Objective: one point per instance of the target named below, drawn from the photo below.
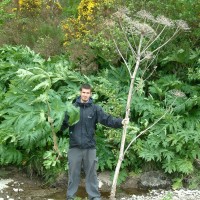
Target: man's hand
(125, 121)
(50, 120)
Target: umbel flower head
(177, 93)
(121, 13)
(109, 23)
(141, 28)
(181, 24)
(164, 21)
(145, 15)
(134, 26)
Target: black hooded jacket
(82, 133)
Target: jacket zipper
(82, 125)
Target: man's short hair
(86, 86)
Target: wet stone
(154, 180)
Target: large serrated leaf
(45, 84)
(73, 113)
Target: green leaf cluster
(30, 94)
(4, 15)
(174, 141)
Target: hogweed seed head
(177, 93)
(135, 26)
(145, 15)
(121, 13)
(109, 23)
(141, 28)
(124, 10)
(118, 15)
(181, 24)
(164, 21)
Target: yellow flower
(77, 28)
(58, 5)
(14, 9)
(30, 4)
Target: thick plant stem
(120, 159)
(128, 105)
(55, 142)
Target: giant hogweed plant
(145, 35)
(32, 109)
(151, 101)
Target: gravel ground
(168, 195)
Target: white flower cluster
(134, 26)
(177, 93)
(181, 24)
(145, 15)
(164, 21)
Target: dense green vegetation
(40, 75)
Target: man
(82, 152)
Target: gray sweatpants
(86, 158)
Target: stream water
(14, 184)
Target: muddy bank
(15, 184)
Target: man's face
(85, 95)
